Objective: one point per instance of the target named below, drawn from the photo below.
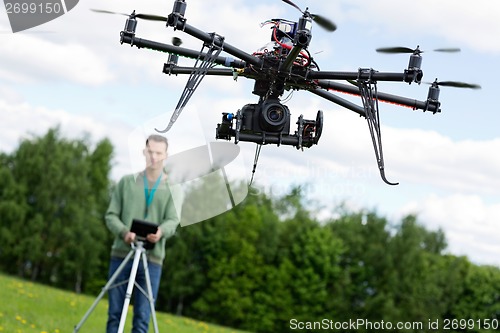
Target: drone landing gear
(369, 96)
(196, 77)
(256, 159)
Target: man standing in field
(146, 196)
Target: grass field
(28, 307)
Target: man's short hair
(157, 138)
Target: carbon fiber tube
(409, 102)
(156, 46)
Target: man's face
(156, 153)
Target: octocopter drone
(283, 64)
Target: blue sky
(73, 72)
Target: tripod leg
(130, 288)
(150, 291)
(104, 290)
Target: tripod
(138, 251)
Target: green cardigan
(128, 202)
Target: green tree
(259, 269)
(61, 237)
(307, 262)
(13, 210)
(479, 299)
(364, 289)
(418, 289)
(234, 263)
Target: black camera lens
(275, 114)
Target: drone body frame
(285, 65)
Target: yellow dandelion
(18, 318)
(24, 321)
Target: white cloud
(470, 224)
(467, 165)
(81, 47)
(26, 58)
(22, 121)
(10, 95)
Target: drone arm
(209, 38)
(301, 42)
(340, 101)
(140, 42)
(408, 102)
(363, 75)
(188, 70)
(292, 55)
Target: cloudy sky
(73, 72)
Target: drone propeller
(102, 11)
(320, 20)
(400, 49)
(149, 17)
(152, 17)
(455, 84)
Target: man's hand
(129, 237)
(153, 238)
